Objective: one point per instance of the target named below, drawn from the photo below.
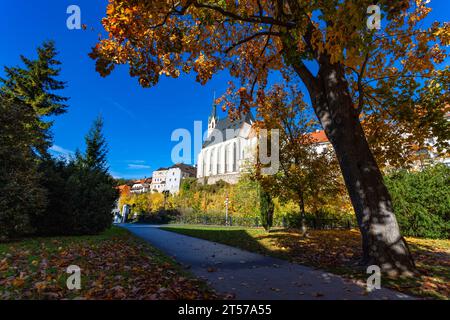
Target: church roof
(224, 124)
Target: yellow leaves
(205, 67)
(443, 33)
(18, 282)
(110, 9)
(40, 286)
(317, 41)
(4, 265)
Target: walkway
(248, 275)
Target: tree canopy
(393, 74)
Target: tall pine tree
(34, 85)
(26, 97)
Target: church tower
(212, 119)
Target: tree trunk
(302, 214)
(382, 242)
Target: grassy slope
(337, 251)
(114, 265)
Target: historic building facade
(176, 174)
(159, 180)
(169, 179)
(141, 186)
(228, 149)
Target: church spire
(214, 109)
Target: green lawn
(337, 251)
(114, 265)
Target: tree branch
(252, 19)
(249, 38)
(360, 86)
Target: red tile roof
(124, 189)
(318, 136)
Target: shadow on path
(249, 275)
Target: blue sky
(138, 122)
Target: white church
(228, 149)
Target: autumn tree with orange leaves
(307, 174)
(390, 78)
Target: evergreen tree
(26, 97)
(81, 193)
(91, 186)
(267, 209)
(20, 193)
(33, 85)
(96, 147)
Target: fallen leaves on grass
(119, 267)
(340, 251)
(337, 251)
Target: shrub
(92, 200)
(20, 199)
(421, 201)
(80, 192)
(267, 208)
(79, 199)
(323, 219)
(57, 217)
(160, 217)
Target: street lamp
(226, 210)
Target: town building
(159, 180)
(320, 141)
(141, 186)
(169, 179)
(176, 174)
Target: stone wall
(231, 178)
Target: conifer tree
(96, 147)
(34, 85)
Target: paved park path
(248, 275)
